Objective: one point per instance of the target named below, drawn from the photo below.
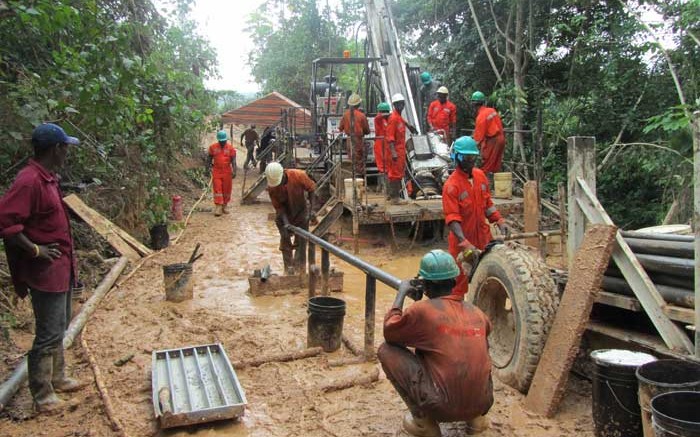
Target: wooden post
(531, 205)
(370, 303)
(325, 271)
(580, 163)
(562, 218)
(312, 268)
(696, 224)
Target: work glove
(503, 228)
(466, 245)
(468, 258)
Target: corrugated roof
(267, 111)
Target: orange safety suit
(356, 132)
(489, 135)
(380, 149)
(469, 203)
(443, 116)
(289, 198)
(222, 171)
(396, 133)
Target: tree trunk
(519, 82)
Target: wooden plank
(77, 205)
(581, 163)
(570, 323)
(102, 226)
(619, 301)
(531, 215)
(634, 273)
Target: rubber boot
(224, 209)
(62, 383)
(40, 370)
(218, 210)
(288, 261)
(478, 425)
(421, 426)
(396, 193)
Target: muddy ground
(283, 398)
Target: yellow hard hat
(354, 100)
(443, 90)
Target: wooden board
(102, 226)
(571, 320)
(531, 205)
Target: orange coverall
(289, 198)
(396, 132)
(359, 129)
(443, 116)
(380, 151)
(470, 204)
(222, 172)
(488, 133)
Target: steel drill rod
(663, 237)
(666, 264)
(381, 275)
(672, 295)
(677, 249)
(657, 278)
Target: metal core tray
(195, 384)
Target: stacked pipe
(669, 262)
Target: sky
(223, 22)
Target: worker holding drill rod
(287, 190)
(467, 205)
(448, 377)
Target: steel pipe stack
(668, 260)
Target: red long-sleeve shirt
(33, 205)
(450, 338)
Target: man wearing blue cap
(36, 229)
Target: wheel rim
(492, 298)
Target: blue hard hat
(464, 146)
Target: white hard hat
(442, 90)
(354, 100)
(398, 97)
(274, 173)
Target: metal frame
(583, 207)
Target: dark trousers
(251, 155)
(298, 260)
(52, 313)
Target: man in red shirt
(395, 137)
(442, 115)
(448, 378)
(380, 152)
(467, 204)
(36, 229)
(222, 160)
(488, 134)
(288, 189)
(354, 124)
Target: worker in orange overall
(354, 124)
(488, 134)
(287, 190)
(380, 152)
(395, 137)
(222, 161)
(442, 115)
(467, 205)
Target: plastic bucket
(177, 279)
(676, 414)
(503, 185)
(664, 376)
(359, 186)
(325, 326)
(615, 403)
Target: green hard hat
(383, 107)
(478, 96)
(465, 146)
(221, 136)
(425, 78)
(438, 265)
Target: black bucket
(664, 376)
(615, 404)
(177, 281)
(160, 239)
(325, 327)
(676, 414)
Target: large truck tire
(515, 289)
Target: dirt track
(283, 398)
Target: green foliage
(228, 99)
(157, 205)
(124, 79)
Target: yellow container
(359, 186)
(503, 185)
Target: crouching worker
(448, 378)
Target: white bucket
(359, 186)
